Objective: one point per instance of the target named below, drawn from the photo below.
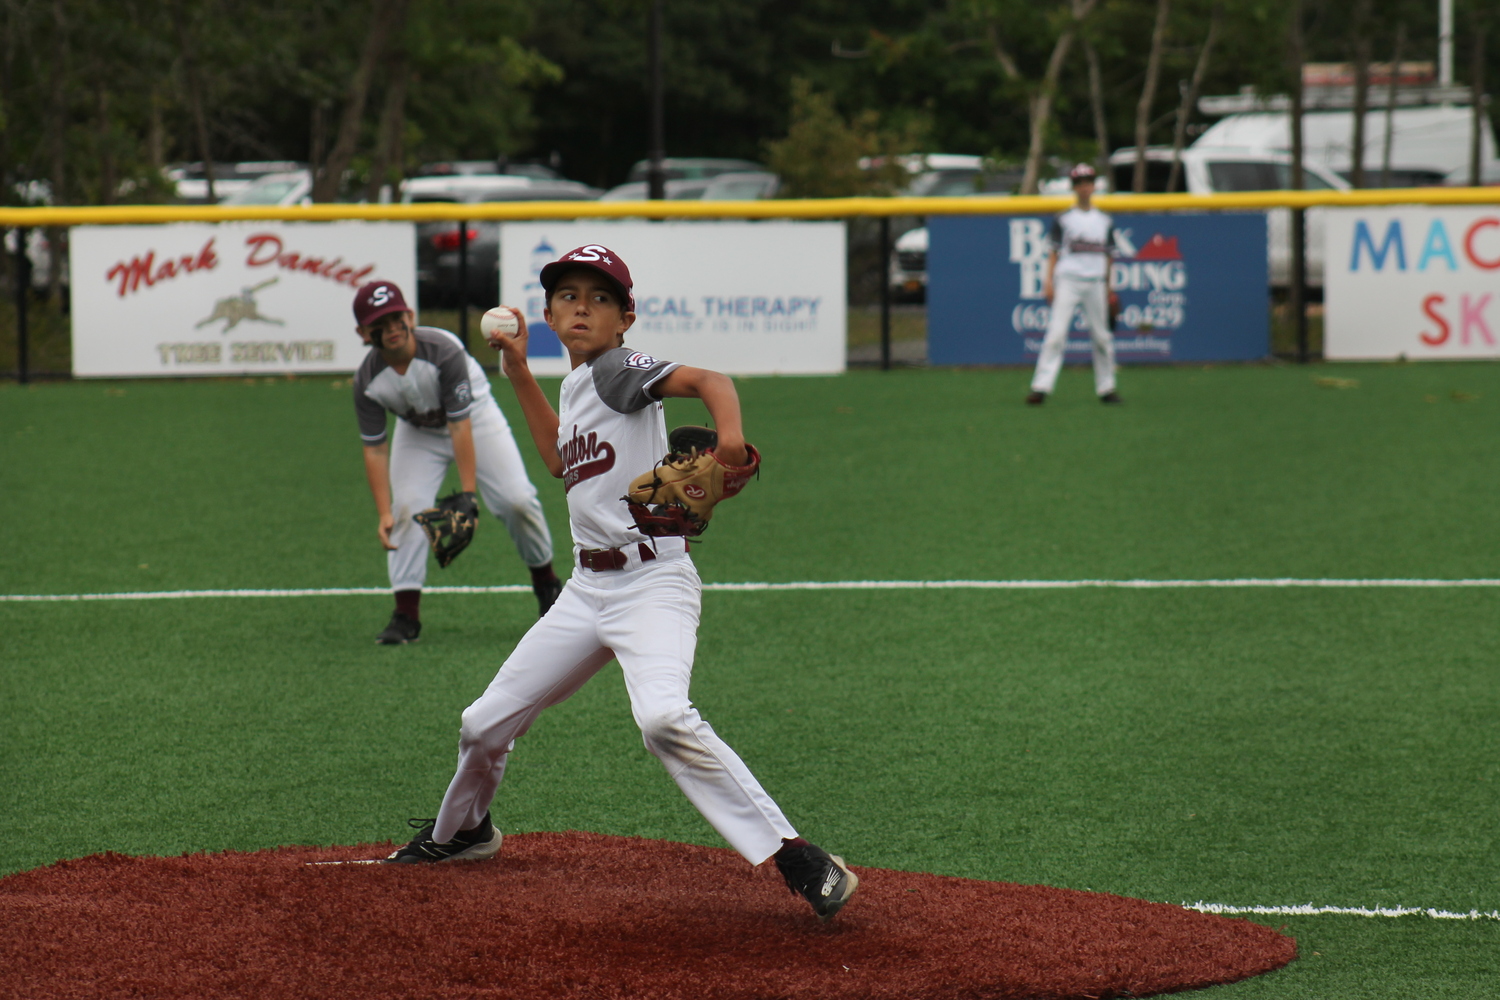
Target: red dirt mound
(565, 915)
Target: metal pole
(1298, 291)
(656, 176)
(463, 283)
(23, 281)
(1299, 280)
(1445, 43)
(885, 293)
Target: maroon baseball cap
(597, 258)
(1082, 172)
(377, 299)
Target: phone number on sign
(1035, 317)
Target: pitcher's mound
(580, 915)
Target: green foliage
(95, 96)
(821, 155)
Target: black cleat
(1035, 398)
(400, 631)
(817, 876)
(478, 844)
(1111, 398)
(546, 595)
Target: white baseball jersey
(442, 383)
(643, 613)
(1084, 241)
(611, 428)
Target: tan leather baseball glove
(679, 495)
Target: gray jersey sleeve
(623, 378)
(371, 414)
(453, 375)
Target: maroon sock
(542, 574)
(407, 602)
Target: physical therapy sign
(744, 298)
(228, 299)
(1412, 282)
(1191, 288)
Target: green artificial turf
(1245, 746)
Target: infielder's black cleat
(1111, 398)
(547, 594)
(817, 876)
(1034, 398)
(478, 844)
(401, 630)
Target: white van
(1211, 170)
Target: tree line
(98, 96)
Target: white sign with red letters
(228, 299)
(1412, 282)
(744, 298)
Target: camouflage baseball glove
(450, 525)
(678, 496)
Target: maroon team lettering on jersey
(585, 457)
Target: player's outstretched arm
(541, 418)
(723, 402)
(461, 433)
(378, 472)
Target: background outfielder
(446, 415)
(1078, 278)
(633, 597)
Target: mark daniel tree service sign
(228, 299)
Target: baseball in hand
(501, 319)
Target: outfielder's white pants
(646, 616)
(1068, 295)
(419, 461)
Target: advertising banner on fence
(1191, 287)
(744, 298)
(230, 298)
(1412, 282)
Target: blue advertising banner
(1191, 287)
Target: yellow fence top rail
(810, 208)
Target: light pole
(656, 177)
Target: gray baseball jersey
(442, 383)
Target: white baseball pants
(646, 616)
(1068, 295)
(419, 461)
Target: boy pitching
(631, 597)
(1078, 276)
(446, 416)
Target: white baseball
(498, 320)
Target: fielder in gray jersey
(1078, 279)
(445, 416)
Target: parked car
(938, 175)
(294, 187)
(1214, 169)
(438, 284)
(678, 168)
(681, 190)
(467, 168)
(191, 180)
(743, 186)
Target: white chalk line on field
(165, 595)
(1311, 910)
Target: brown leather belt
(602, 560)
